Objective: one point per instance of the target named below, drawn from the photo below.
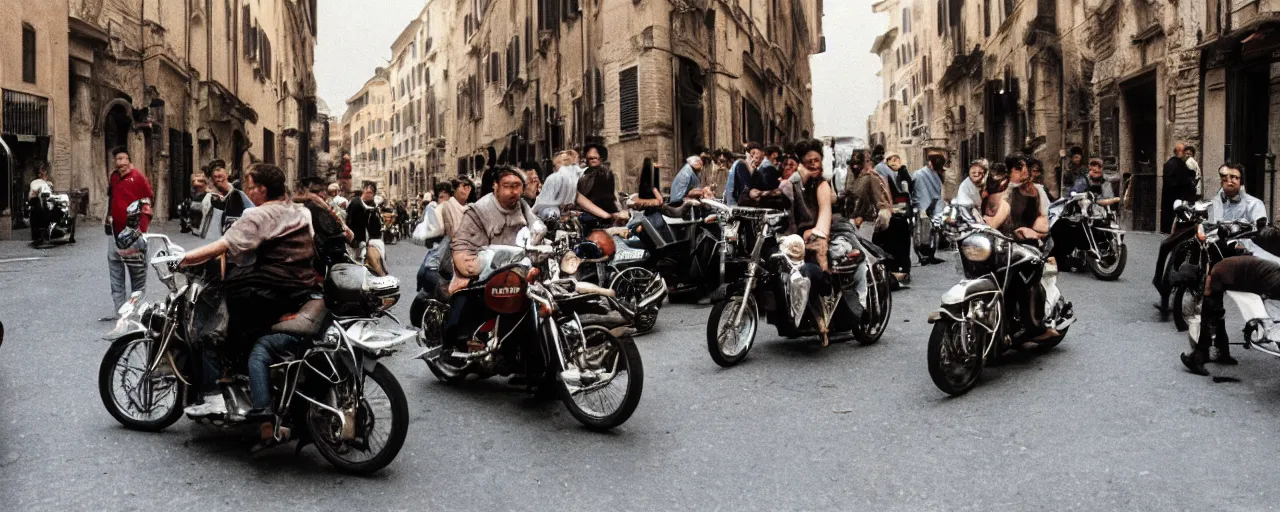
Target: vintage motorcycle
(1261, 314)
(638, 290)
(333, 391)
(1085, 232)
(976, 322)
(771, 284)
(561, 335)
(1187, 218)
(690, 253)
(1196, 257)
(60, 221)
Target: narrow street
(1107, 421)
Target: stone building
(368, 123)
(419, 83)
(34, 121)
(183, 83)
(661, 79)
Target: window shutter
(629, 100)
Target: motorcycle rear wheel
(947, 336)
(398, 407)
(592, 407)
(1186, 303)
(721, 319)
(1109, 272)
(879, 307)
(112, 367)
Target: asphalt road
(1107, 421)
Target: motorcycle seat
(306, 323)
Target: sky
(356, 36)
(845, 85)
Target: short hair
(1077, 150)
(1014, 161)
(1236, 166)
(805, 146)
(506, 170)
(116, 151)
(937, 160)
(752, 146)
(769, 150)
(1190, 149)
(1095, 161)
(998, 169)
(530, 165)
(462, 181)
(369, 185)
(978, 163)
(217, 164)
(891, 156)
(1034, 162)
(443, 188)
(268, 176)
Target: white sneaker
(213, 404)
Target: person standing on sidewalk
(127, 185)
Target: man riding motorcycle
(496, 219)
(1024, 220)
(270, 274)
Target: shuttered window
(629, 100)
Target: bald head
(1180, 149)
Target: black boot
(1223, 346)
(1195, 362)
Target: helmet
(602, 239)
(131, 244)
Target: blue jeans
(269, 348)
(117, 265)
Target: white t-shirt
(39, 186)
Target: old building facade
(510, 81)
(34, 121)
(179, 84)
(367, 123)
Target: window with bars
(28, 54)
(25, 114)
(629, 100)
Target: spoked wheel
(429, 316)
(728, 342)
(603, 385)
(1186, 304)
(955, 356)
(631, 286)
(139, 398)
(1111, 264)
(372, 428)
(879, 307)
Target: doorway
(690, 86)
(1249, 127)
(1140, 109)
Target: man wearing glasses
(1232, 203)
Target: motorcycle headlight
(976, 248)
(730, 232)
(569, 263)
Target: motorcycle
(1085, 231)
(1212, 243)
(638, 290)
(690, 253)
(1261, 314)
(773, 285)
(975, 324)
(333, 390)
(59, 221)
(1186, 222)
(560, 334)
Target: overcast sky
(356, 37)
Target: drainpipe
(713, 88)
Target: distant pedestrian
(127, 185)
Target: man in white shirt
(40, 185)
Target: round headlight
(976, 248)
(569, 263)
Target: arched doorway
(115, 133)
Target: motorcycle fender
(953, 300)
(1251, 305)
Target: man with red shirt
(127, 185)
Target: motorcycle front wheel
(1110, 266)
(879, 307)
(955, 356)
(609, 380)
(139, 399)
(727, 343)
(382, 423)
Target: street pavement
(1107, 421)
